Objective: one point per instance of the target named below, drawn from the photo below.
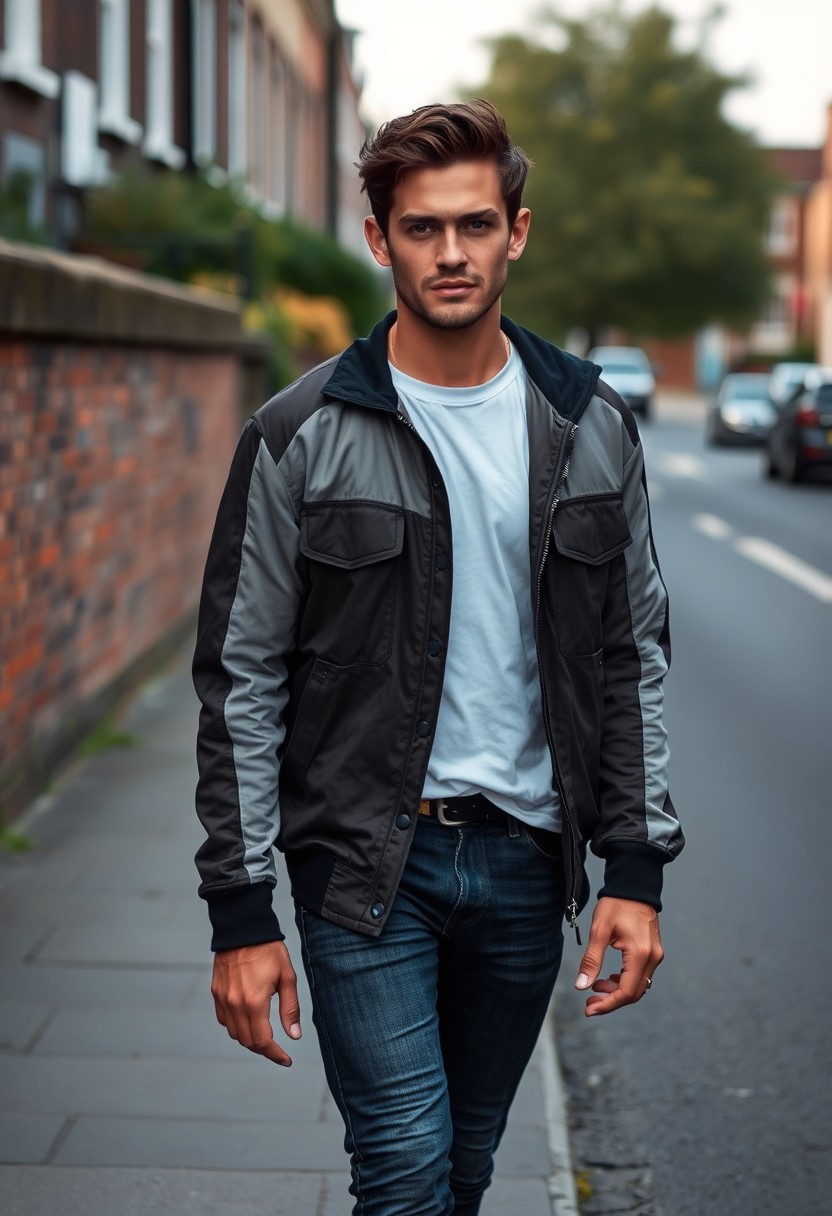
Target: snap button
(441, 561)
(422, 730)
(434, 648)
(403, 822)
(376, 911)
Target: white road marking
(768, 555)
(713, 526)
(682, 464)
(773, 558)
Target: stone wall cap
(48, 291)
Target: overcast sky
(415, 51)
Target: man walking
(432, 641)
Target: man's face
(448, 242)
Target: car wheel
(795, 469)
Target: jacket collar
(362, 375)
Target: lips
(455, 287)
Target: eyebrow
(486, 213)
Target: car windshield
(749, 388)
(620, 358)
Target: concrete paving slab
(128, 1032)
(520, 1196)
(203, 1144)
(17, 942)
(20, 1021)
(77, 1191)
(523, 1151)
(96, 985)
(184, 1089)
(150, 945)
(27, 1138)
(84, 908)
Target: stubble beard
(452, 314)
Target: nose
(450, 254)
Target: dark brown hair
(435, 136)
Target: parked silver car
(628, 370)
(742, 412)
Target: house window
(114, 71)
(278, 141)
(782, 230)
(259, 108)
(20, 60)
(158, 143)
(205, 81)
(237, 125)
(24, 172)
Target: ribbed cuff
(634, 870)
(242, 916)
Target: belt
(456, 812)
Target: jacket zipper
(572, 904)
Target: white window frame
(782, 227)
(204, 101)
(237, 92)
(278, 111)
(114, 71)
(20, 60)
(158, 141)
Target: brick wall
(112, 458)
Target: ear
(519, 234)
(376, 240)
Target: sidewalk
(119, 1092)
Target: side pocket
(301, 743)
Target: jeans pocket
(547, 844)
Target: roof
(802, 166)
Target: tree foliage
(649, 207)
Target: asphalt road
(713, 1097)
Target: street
(711, 1098)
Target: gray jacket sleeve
(247, 622)
(639, 829)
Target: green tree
(649, 207)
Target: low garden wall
(121, 398)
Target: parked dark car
(784, 378)
(801, 437)
(742, 412)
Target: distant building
(788, 318)
(819, 252)
(261, 92)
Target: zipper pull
(573, 921)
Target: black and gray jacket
(322, 633)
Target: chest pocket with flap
(588, 534)
(351, 551)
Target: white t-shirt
(490, 737)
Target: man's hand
(632, 928)
(243, 984)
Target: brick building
(259, 90)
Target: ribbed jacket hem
(243, 916)
(634, 870)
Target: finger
(628, 989)
(259, 1038)
(593, 958)
(608, 985)
(288, 1004)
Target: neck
(454, 358)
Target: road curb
(561, 1181)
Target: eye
(419, 229)
(479, 225)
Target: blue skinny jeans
(426, 1030)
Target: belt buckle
(441, 816)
